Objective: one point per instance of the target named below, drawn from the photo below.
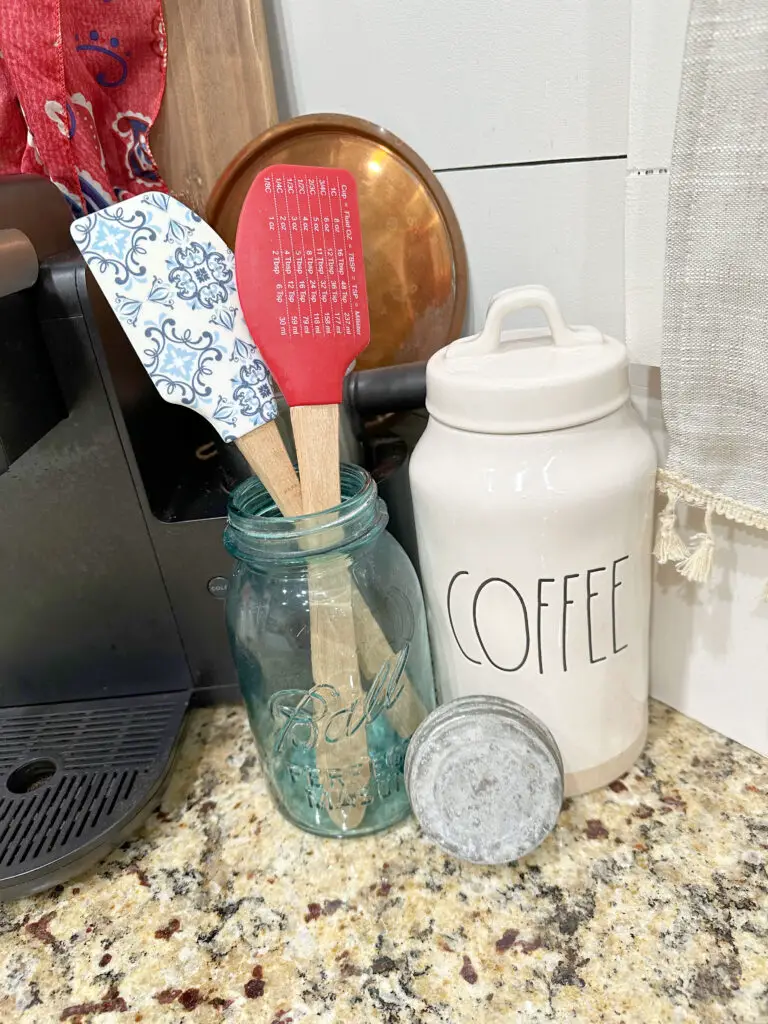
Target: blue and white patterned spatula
(171, 281)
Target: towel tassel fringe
(697, 566)
(669, 546)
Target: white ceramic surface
(517, 382)
(535, 558)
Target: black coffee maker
(112, 569)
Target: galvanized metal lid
(485, 779)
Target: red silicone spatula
(301, 281)
(300, 230)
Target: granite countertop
(649, 903)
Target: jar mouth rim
(256, 529)
(249, 511)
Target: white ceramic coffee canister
(533, 500)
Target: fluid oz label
(555, 623)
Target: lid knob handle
(524, 297)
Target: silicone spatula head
(170, 280)
(301, 278)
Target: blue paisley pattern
(115, 242)
(171, 282)
(180, 362)
(129, 308)
(200, 274)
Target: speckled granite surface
(648, 904)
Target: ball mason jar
(327, 626)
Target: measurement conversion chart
(303, 224)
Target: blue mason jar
(327, 626)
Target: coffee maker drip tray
(76, 779)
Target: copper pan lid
(415, 261)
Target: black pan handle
(386, 389)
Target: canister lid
(485, 779)
(523, 381)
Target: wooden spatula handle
(316, 433)
(331, 622)
(265, 453)
(315, 429)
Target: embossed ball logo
(306, 716)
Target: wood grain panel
(219, 92)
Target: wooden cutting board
(219, 93)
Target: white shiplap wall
(559, 225)
(474, 84)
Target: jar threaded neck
(258, 534)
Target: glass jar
(327, 626)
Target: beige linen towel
(714, 358)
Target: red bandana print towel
(80, 86)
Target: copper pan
(415, 261)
